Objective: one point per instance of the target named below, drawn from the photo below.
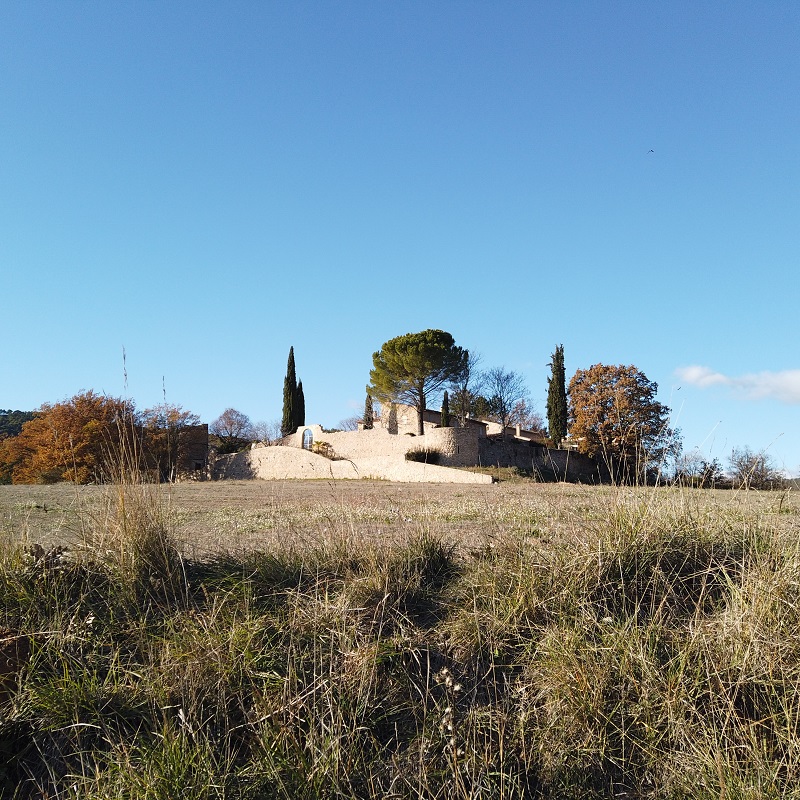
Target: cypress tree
(445, 423)
(391, 423)
(289, 397)
(369, 413)
(299, 407)
(557, 398)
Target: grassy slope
(321, 641)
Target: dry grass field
(246, 640)
(237, 515)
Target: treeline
(608, 412)
(11, 422)
(90, 438)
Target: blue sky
(206, 184)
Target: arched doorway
(308, 439)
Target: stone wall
(562, 465)
(281, 463)
(459, 446)
(231, 466)
(571, 466)
(515, 431)
(192, 456)
(289, 463)
(431, 418)
(357, 444)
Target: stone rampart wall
(291, 463)
(572, 466)
(563, 465)
(358, 444)
(497, 452)
(459, 446)
(407, 421)
(231, 466)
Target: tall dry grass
(611, 643)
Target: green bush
(425, 455)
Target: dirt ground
(235, 515)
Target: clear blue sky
(206, 184)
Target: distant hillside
(11, 422)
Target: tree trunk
(420, 413)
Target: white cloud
(701, 376)
(783, 386)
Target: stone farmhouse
(391, 450)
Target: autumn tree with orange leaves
(615, 417)
(166, 438)
(75, 440)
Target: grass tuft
(576, 643)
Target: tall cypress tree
(299, 407)
(557, 398)
(369, 413)
(445, 422)
(391, 423)
(289, 397)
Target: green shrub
(425, 455)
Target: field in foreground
(359, 640)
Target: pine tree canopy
(414, 367)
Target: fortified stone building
(388, 451)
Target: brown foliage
(71, 441)
(232, 424)
(614, 416)
(166, 431)
(233, 430)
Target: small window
(308, 439)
